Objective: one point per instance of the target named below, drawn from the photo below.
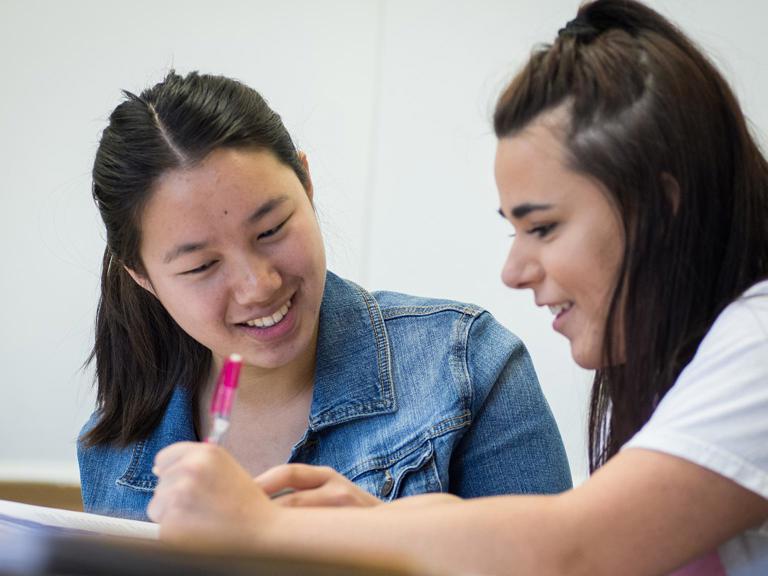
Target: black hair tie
(579, 26)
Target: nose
(256, 281)
(521, 270)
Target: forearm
(422, 500)
(482, 535)
(643, 513)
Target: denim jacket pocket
(138, 475)
(406, 473)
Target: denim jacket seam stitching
(461, 421)
(383, 355)
(143, 486)
(340, 414)
(394, 312)
(388, 400)
(136, 453)
(425, 457)
(441, 428)
(460, 360)
(127, 479)
(436, 476)
(383, 462)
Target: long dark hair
(141, 354)
(651, 119)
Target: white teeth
(558, 308)
(275, 318)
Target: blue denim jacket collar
(348, 385)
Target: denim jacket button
(389, 482)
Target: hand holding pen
(303, 485)
(204, 486)
(221, 405)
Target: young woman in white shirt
(639, 201)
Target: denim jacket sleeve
(101, 468)
(513, 444)
(118, 480)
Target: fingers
(202, 492)
(190, 461)
(174, 495)
(333, 494)
(169, 497)
(199, 481)
(295, 476)
(172, 454)
(306, 485)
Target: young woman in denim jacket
(213, 247)
(640, 202)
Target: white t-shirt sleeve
(716, 414)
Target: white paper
(79, 520)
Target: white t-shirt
(716, 415)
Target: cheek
(191, 304)
(564, 264)
(608, 265)
(304, 254)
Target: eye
(200, 269)
(513, 233)
(272, 231)
(542, 231)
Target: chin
(267, 361)
(276, 357)
(587, 359)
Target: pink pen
(223, 397)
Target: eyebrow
(265, 209)
(183, 249)
(257, 215)
(522, 210)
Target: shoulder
(733, 352)
(468, 322)
(716, 413)
(397, 304)
(743, 324)
(343, 297)
(732, 355)
(117, 480)
(101, 467)
(481, 350)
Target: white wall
(390, 98)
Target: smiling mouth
(268, 321)
(558, 309)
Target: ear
(671, 190)
(305, 164)
(141, 280)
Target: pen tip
(235, 358)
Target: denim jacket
(411, 395)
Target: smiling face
(569, 239)
(233, 251)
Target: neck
(269, 387)
(265, 388)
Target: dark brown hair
(652, 120)
(141, 354)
